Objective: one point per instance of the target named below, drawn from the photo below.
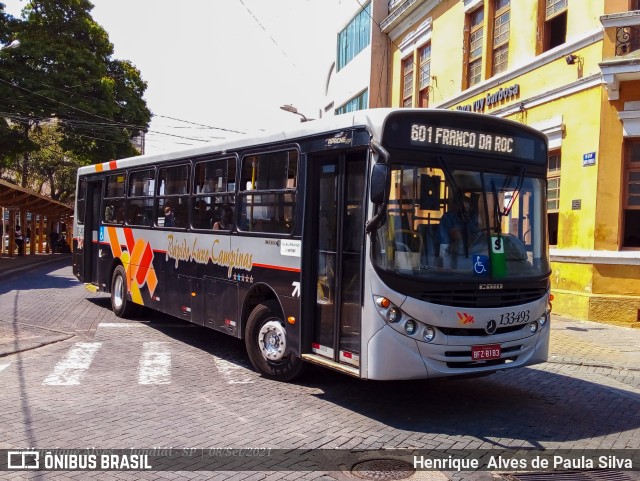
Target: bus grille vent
(477, 298)
(454, 331)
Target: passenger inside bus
(226, 220)
(169, 219)
(202, 215)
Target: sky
(228, 64)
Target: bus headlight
(393, 314)
(533, 327)
(542, 320)
(410, 327)
(429, 333)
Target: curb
(32, 345)
(16, 346)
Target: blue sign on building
(588, 159)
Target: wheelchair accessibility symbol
(481, 265)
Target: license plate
(485, 353)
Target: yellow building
(570, 68)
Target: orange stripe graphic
(114, 242)
(130, 241)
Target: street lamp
(14, 44)
(293, 110)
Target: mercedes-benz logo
(491, 327)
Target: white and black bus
(386, 244)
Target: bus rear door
(92, 239)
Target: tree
(52, 170)
(64, 70)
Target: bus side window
(173, 186)
(268, 199)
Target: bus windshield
(445, 222)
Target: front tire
(266, 342)
(121, 305)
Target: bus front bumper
(392, 355)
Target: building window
(476, 34)
(631, 231)
(553, 196)
(407, 82)
(501, 30)
(355, 37)
(424, 75)
(359, 102)
(555, 24)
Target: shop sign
(492, 99)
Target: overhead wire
(200, 125)
(109, 122)
(268, 34)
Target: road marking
(4, 366)
(233, 373)
(155, 364)
(71, 368)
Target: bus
(387, 244)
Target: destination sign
(465, 134)
(471, 140)
(462, 138)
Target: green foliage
(64, 70)
(51, 168)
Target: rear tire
(266, 342)
(121, 305)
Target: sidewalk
(11, 265)
(22, 336)
(572, 341)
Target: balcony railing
(627, 40)
(393, 4)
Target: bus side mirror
(379, 183)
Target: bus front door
(339, 185)
(91, 239)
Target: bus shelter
(37, 215)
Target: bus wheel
(266, 342)
(120, 303)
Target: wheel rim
(272, 340)
(118, 292)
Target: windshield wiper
(500, 213)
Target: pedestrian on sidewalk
(53, 240)
(19, 240)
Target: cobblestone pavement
(572, 341)
(99, 381)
